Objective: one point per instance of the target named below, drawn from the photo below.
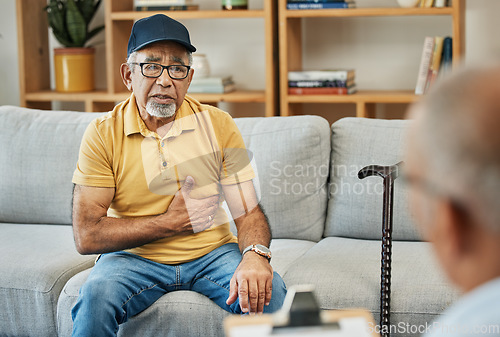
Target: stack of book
(212, 85)
(322, 82)
(433, 3)
(165, 5)
(320, 4)
(436, 60)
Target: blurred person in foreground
(453, 168)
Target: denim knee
(99, 294)
(278, 295)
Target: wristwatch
(259, 249)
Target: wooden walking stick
(389, 174)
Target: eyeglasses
(154, 70)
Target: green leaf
(87, 9)
(94, 32)
(69, 20)
(55, 14)
(77, 27)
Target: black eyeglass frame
(162, 69)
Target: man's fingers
(253, 296)
(233, 291)
(262, 296)
(188, 185)
(243, 295)
(269, 291)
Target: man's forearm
(113, 234)
(95, 232)
(253, 228)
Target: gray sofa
(326, 224)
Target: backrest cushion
(292, 159)
(355, 206)
(38, 154)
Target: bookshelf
(119, 16)
(291, 48)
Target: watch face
(263, 248)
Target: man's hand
(191, 215)
(252, 282)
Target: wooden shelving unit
(34, 63)
(290, 48)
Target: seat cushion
(292, 158)
(37, 159)
(346, 274)
(355, 206)
(180, 313)
(167, 316)
(37, 260)
(286, 252)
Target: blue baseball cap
(156, 28)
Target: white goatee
(160, 110)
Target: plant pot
(74, 69)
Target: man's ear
(190, 76)
(457, 230)
(126, 74)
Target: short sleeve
(237, 159)
(94, 164)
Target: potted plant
(73, 64)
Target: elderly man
(150, 180)
(453, 167)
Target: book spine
(425, 62)
(428, 3)
(447, 58)
(440, 3)
(436, 61)
(319, 84)
(338, 75)
(167, 8)
(321, 91)
(330, 5)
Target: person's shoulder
(112, 120)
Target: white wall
(384, 51)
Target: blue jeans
(122, 285)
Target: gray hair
(459, 133)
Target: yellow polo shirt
(119, 151)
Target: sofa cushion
(37, 260)
(176, 306)
(166, 317)
(346, 274)
(291, 156)
(286, 252)
(38, 157)
(355, 206)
